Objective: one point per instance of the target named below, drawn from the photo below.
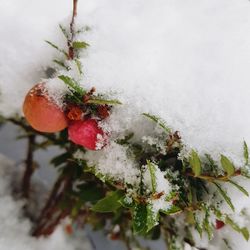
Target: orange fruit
(41, 112)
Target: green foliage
(61, 159)
(80, 45)
(61, 64)
(140, 218)
(246, 153)
(72, 84)
(227, 220)
(110, 203)
(103, 101)
(64, 31)
(172, 210)
(159, 121)
(152, 218)
(227, 165)
(152, 170)
(57, 48)
(242, 189)
(195, 163)
(225, 196)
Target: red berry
(87, 134)
(41, 112)
(219, 224)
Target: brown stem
(52, 214)
(72, 31)
(215, 178)
(29, 167)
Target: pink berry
(87, 134)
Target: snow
(14, 230)
(185, 60)
(113, 162)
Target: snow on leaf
(140, 218)
(152, 170)
(152, 217)
(172, 210)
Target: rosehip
(41, 113)
(87, 134)
(219, 224)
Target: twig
(52, 214)
(29, 167)
(215, 178)
(72, 31)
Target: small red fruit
(87, 134)
(41, 113)
(219, 224)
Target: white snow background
(185, 60)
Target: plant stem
(72, 31)
(52, 214)
(214, 178)
(29, 167)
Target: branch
(72, 31)
(215, 178)
(29, 167)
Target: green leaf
(246, 153)
(195, 163)
(152, 217)
(79, 65)
(227, 165)
(158, 120)
(224, 195)
(244, 231)
(172, 210)
(126, 201)
(243, 190)
(60, 159)
(206, 225)
(198, 227)
(152, 170)
(80, 45)
(61, 63)
(110, 203)
(57, 48)
(73, 85)
(89, 192)
(140, 218)
(65, 33)
(103, 101)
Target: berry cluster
(81, 119)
